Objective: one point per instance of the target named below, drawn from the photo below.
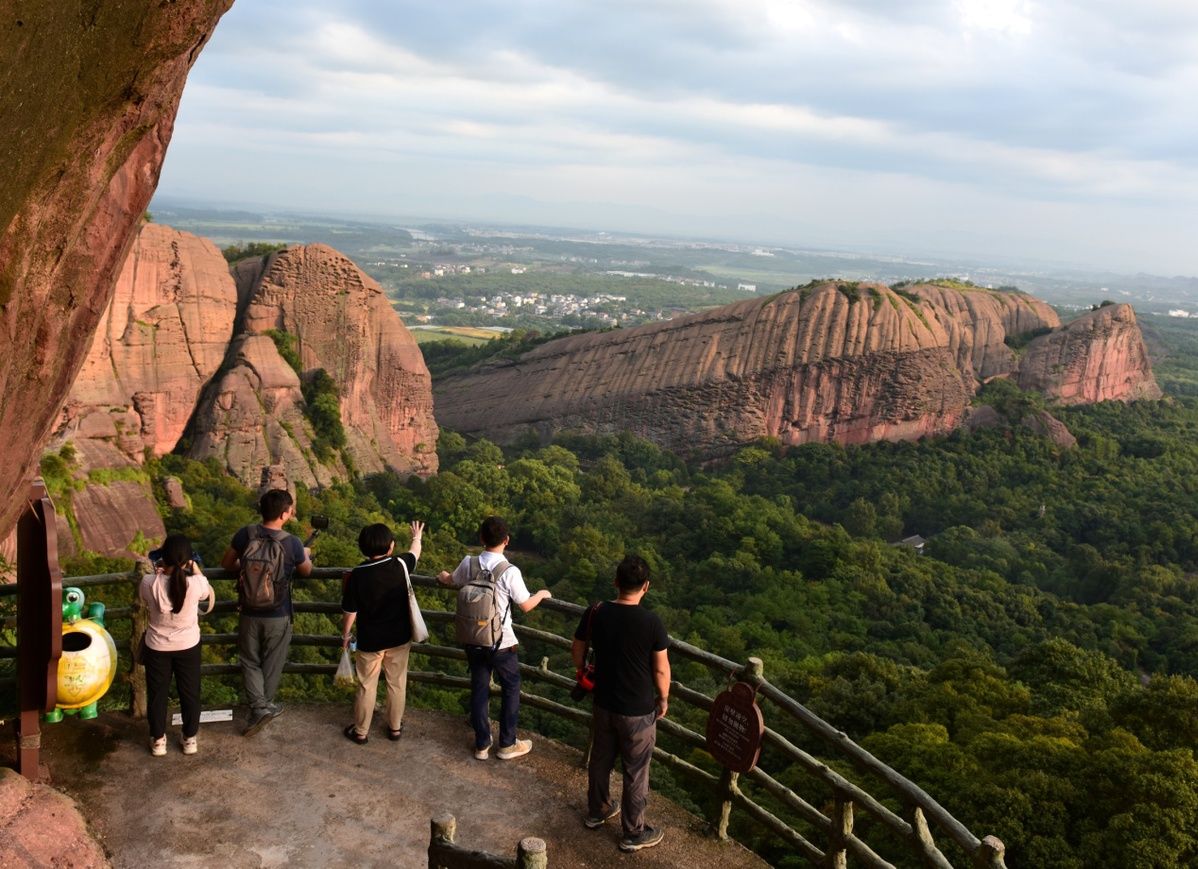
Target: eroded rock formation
(1100, 356)
(340, 321)
(850, 363)
(162, 337)
(88, 93)
(183, 340)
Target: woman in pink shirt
(172, 640)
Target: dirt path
(300, 794)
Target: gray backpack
(262, 582)
(478, 621)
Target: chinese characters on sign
(735, 728)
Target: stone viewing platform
(300, 794)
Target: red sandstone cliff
(88, 93)
(342, 322)
(1099, 356)
(161, 338)
(802, 366)
(835, 362)
(979, 321)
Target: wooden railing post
(39, 624)
(839, 832)
(532, 853)
(728, 789)
(990, 854)
(441, 832)
(138, 617)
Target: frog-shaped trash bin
(88, 663)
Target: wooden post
(39, 624)
(138, 618)
(839, 832)
(728, 789)
(990, 854)
(441, 832)
(532, 853)
(753, 674)
(925, 845)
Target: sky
(1017, 131)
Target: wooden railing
(907, 813)
(531, 853)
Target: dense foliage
(1032, 671)
(242, 250)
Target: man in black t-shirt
(264, 636)
(632, 690)
(376, 597)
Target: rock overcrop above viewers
(88, 93)
(188, 352)
(843, 362)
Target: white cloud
(1077, 107)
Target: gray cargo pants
(262, 646)
(632, 737)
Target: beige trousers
(394, 665)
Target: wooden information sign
(735, 728)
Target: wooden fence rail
(846, 801)
(531, 853)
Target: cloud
(1081, 102)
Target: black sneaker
(594, 822)
(646, 838)
(259, 718)
(275, 709)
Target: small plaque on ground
(735, 728)
(207, 716)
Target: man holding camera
(632, 690)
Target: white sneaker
(519, 748)
(483, 753)
(158, 746)
(189, 745)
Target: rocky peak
(980, 321)
(833, 361)
(159, 341)
(1100, 356)
(335, 318)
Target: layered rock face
(849, 363)
(183, 341)
(819, 364)
(163, 336)
(88, 93)
(1100, 356)
(341, 322)
(978, 322)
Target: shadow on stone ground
(300, 794)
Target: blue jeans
(506, 666)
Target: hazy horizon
(1003, 130)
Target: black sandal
(394, 735)
(351, 733)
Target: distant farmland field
(470, 335)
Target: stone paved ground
(300, 794)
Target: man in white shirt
(500, 659)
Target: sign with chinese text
(735, 728)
